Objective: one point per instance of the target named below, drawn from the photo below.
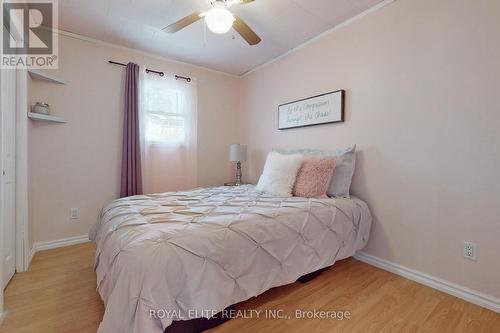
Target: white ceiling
(282, 25)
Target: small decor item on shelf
(41, 107)
(238, 154)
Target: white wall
(422, 104)
(78, 164)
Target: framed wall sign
(321, 109)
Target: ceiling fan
(219, 20)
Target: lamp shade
(238, 153)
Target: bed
(177, 256)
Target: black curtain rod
(177, 77)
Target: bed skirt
(198, 325)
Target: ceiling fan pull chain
(204, 34)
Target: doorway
(8, 173)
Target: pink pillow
(314, 176)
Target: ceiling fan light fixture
(219, 20)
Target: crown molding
(137, 51)
(320, 36)
(279, 57)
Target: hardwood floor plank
(58, 294)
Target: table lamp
(238, 154)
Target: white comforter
(197, 251)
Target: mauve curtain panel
(131, 180)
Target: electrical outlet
(470, 250)
(74, 213)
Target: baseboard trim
(40, 246)
(31, 255)
(469, 295)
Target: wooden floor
(58, 295)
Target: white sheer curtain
(168, 133)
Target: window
(168, 122)
(165, 115)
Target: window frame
(184, 115)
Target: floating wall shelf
(44, 117)
(41, 75)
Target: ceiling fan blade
(245, 31)
(183, 22)
(242, 2)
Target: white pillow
(279, 174)
(345, 160)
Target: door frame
(22, 229)
(1, 201)
(21, 138)
(22, 245)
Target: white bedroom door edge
(469, 295)
(22, 236)
(8, 174)
(1, 200)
